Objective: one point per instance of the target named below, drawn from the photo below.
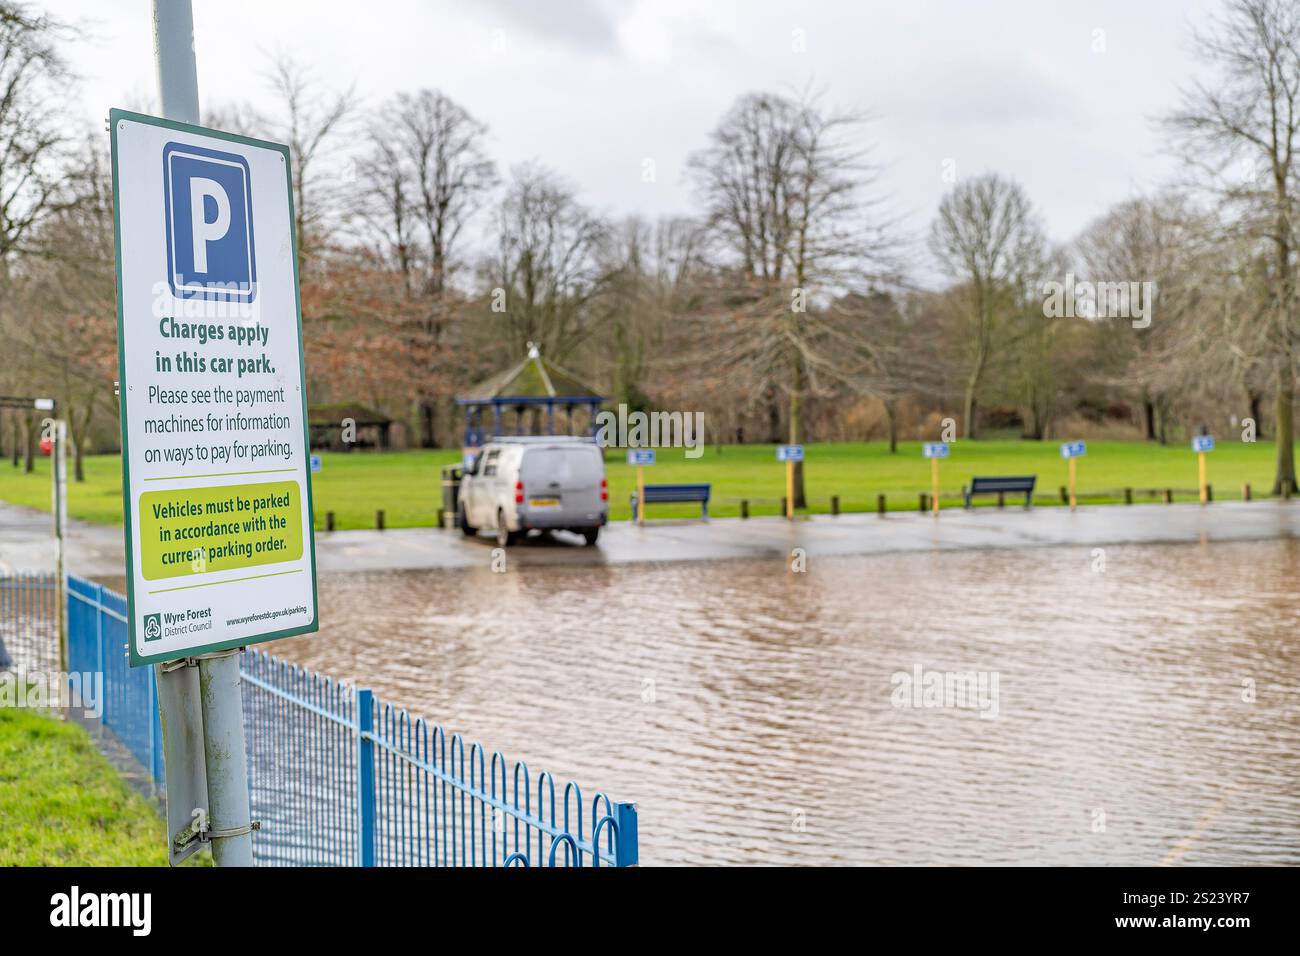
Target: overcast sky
(1061, 96)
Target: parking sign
(216, 476)
(208, 202)
(1203, 443)
(1073, 449)
(789, 452)
(934, 449)
(640, 456)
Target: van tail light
(604, 489)
(519, 492)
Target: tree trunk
(1257, 412)
(29, 444)
(1149, 416)
(968, 426)
(428, 435)
(891, 415)
(1284, 480)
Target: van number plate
(544, 502)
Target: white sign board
(640, 456)
(216, 484)
(934, 449)
(1073, 449)
(789, 452)
(1203, 443)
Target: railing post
(625, 847)
(99, 632)
(365, 778)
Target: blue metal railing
(337, 778)
(97, 638)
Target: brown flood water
(749, 710)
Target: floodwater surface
(1136, 704)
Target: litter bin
(450, 494)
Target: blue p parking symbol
(208, 203)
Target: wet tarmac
(96, 551)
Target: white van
(517, 485)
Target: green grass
(63, 804)
(407, 485)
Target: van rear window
(570, 467)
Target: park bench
(669, 494)
(1017, 484)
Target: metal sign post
(59, 464)
(789, 454)
(934, 450)
(218, 527)
(1202, 444)
(1071, 451)
(640, 457)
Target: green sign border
(138, 660)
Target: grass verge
(407, 485)
(63, 804)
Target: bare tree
(544, 274)
(787, 195)
(881, 330)
(385, 206)
(1242, 127)
(309, 119)
(649, 269)
(987, 237)
(33, 84)
(423, 177)
(1161, 240)
(442, 146)
(64, 299)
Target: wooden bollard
(1128, 496)
(1169, 496)
(1245, 491)
(329, 521)
(835, 504)
(925, 502)
(1209, 492)
(783, 500)
(1065, 495)
(880, 505)
(744, 507)
(1002, 500)
(379, 520)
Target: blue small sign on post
(1203, 443)
(934, 449)
(789, 452)
(1074, 449)
(315, 463)
(640, 456)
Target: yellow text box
(187, 531)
